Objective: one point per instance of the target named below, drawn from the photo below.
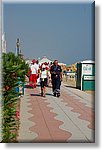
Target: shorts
(43, 82)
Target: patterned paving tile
(66, 119)
(46, 126)
(86, 113)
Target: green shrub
(12, 68)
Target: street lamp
(18, 46)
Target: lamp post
(18, 46)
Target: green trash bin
(85, 75)
(88, 82)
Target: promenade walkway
(69, 118)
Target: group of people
(47, 74)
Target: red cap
(33, 61)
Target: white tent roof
(45, 59)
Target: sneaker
(44, 94)
(58, 95)
(55, 94)
(34, 86)
(41, 94)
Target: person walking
(43, 79)
(56, 75)
(33, 75)
(38, 69)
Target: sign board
(89, 77)
(86, 69)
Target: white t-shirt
(43, 74)
(37, 66)
(34, 69)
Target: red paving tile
(46, 126)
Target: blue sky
(59, 31)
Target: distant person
(33, 76)
(38, 69)
(56, 75)
(37, 64)
(43, 79)
(48, 69)
(49, 76)
(51, 64)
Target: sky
(59, 31)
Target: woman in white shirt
(43, 79)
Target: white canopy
(45, 59)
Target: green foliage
(13, 67)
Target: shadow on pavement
(35, 94)
(70, 86)
(27, 86)
(40, 94)
(49, 94)
(38, 85)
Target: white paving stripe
(25, 135)
(70, 120)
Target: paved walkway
(69, 118)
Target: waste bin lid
(87, 62)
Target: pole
(18, 46)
